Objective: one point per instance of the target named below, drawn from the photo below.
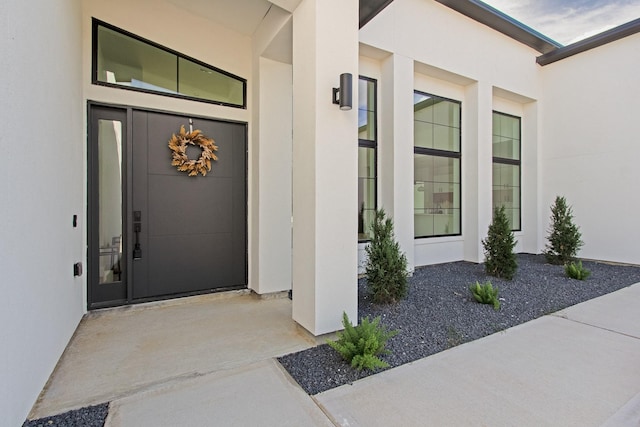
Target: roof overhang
(479, 11)
(503, 23)
(370, 8)
(608, 36)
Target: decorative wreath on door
(178, 145)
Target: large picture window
(506, 166)
(124, 60)
(436, 190)
(367, 140)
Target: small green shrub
(576, 271)
(564, 239)
(386, 268)
(500, 260)
(486, 294)
(362, 344)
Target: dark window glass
(125, 60)
(367, 139)
(436, 163)
(506, 166)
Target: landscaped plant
(576, 271)
(362, 344)
(486, 294)
(499, 258)
(386, 268)
(564, 236)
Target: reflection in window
(125, 60)
(506, 166)
(366, 156)
(436, 191)
(110, 199)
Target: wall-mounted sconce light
(343, 95)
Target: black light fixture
(343, 95)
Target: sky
(567, 21)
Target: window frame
(512, 162)
(367, 143)
(95, 23)
(442, 153)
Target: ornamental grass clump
(362, 344)
(564, 236)
(500, 260)
(576, 271)
(386, 268)
(486, 294)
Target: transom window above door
(124, 60)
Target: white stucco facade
(589, 152)
(578, 131)
(324, 176)
(41, 189)
(484, 71)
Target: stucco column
(325, 44)
(270, 155)
(532, 211)
(396, 149)
(477, 171)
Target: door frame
(116, 294)
(127, 201)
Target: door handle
(137, 228)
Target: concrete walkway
(578, 367)
(120, 352)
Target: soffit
(373, 52)
(242, 16)
(280, 48)
(438, 73)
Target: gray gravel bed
(90, 416)
(440, 312)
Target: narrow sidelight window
(506, 166)
(367, 161)
(436, 187)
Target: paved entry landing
(120, 352)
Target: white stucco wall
(434, 49)
(324, 166)
(434, 34)
(41, 188)
(271, 155)
(590, 150)
(274, 183)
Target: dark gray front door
(153, 231)
(191, 230)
